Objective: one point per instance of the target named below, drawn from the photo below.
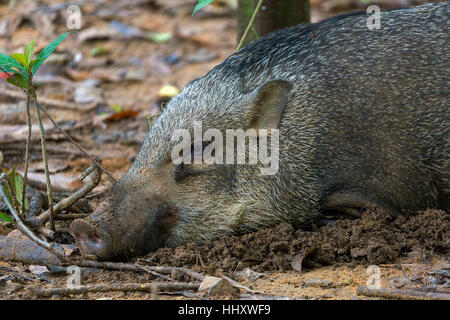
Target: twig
(71, 216)
(107, 265)
(134, 267)
(250, 23)
(434, 288)
(156, 274)
(17, 273)
(401, 294)
(169, 270)
(67, 202)
(96, 195)
(187, 294)
(236, 284)
(146, 287)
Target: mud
(375, 238)
(333, 259)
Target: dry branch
(156, 274)
(134, 267)
(146, 287)
(67, 202)
(401, 294)
(71, 216)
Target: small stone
(17, 234)
(250, 274)
(38, 270)
(400, 282)
(318, 282)
(213, 286)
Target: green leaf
(17, 186)
(9, 70)
(29, 51)
(18, 80)
(12, 178)
(7, 191)
(7, 61)
(98, 51)
(20, 57)
(160, 37)
(201, 4)
(116, 108)
(47, 51)
(6, 218)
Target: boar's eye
(183, 170)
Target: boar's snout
(125, 226)
(91, 240)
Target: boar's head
(162, 203)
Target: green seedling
(201, 4)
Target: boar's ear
(267, 104)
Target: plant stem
(250, 23)
(44, 157)
(27, 154)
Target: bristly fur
(369, 112)
(366, 123)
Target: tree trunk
(273, 15)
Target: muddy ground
(123, 76)
(327, 262)
(375, 239)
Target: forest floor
(103, 82)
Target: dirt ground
(123, 72)
(327, 262)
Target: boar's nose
(91, 239)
